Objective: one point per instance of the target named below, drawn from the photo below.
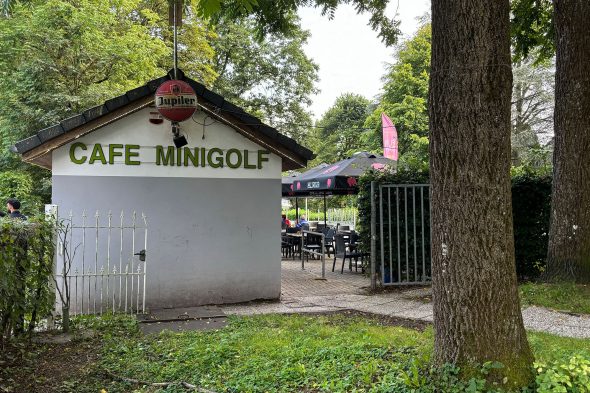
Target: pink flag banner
(389, 138)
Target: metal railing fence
(404, 233)
(305, 236)
(98, 266)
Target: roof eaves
(49, 133)
(27, 144)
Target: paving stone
(302, 292)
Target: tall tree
(337, 133)
(59, 57)
(405, 101)
(477, 315)
(272, 78)
(569, 234)
(532, 109)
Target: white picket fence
(98, 265)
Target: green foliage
(561, 296)
(405, 100)
(19, 185)
(532, 29)
(272, 79)
(318, 215)
(276, 15)
(531, 206)
(26, 263)
(292, 353)
(564, 377)
(72, 56)
(338, 133)
(61, 56)
(531, 197)
(403, 175)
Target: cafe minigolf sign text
(111, 154)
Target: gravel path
(303, 292)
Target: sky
(350, 55)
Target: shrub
(531, 205)
(564, 377)
(26, 263)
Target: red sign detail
(351, 181)
(329, 183)
(331, 169)
(156, 117)
(176, 100)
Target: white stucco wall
(213, 233)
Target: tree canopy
(60, 57)
(405, 100)
(272, 79)
(337, 134)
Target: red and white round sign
(176, 100)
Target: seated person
(303, 224)
(285, 223)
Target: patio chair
(340, 251)
(329, 241)
(312, 242)
(287, 246)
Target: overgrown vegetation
(26, 261)
(280, 353)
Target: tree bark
(477, 315)
(569, 235)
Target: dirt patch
(384, 320)
(47, 367)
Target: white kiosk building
(212, 207)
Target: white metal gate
(101, 263)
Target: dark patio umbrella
(341, 177)
(288, 192)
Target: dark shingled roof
(149, 88)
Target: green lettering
(261, 158)
(164, 159)
(218, 163)
(129, 154)
(203, 162)
(238, 162)
(246, 164)
(113, 153)
(192, 155)
(178, 157)
(73, 148)
(97, 155)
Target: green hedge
(26, 267)
(531, 206)
(531, 199)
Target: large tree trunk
(569, 235)
(477, 314)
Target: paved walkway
(303, 291)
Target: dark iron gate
(400, 234)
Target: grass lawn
(564, 297)
(269, 353)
